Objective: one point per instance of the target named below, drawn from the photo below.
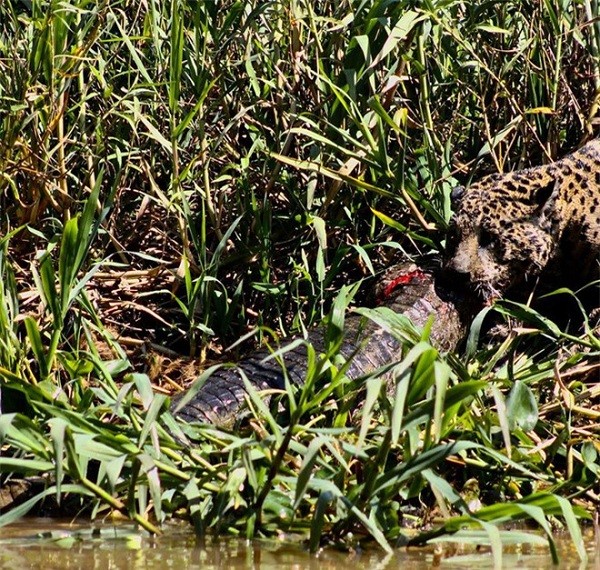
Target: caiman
(407, 290)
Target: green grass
(167, 168)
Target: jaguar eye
(456, 195)
(485, 238)
(452, 236)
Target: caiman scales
(407, 290)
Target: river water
(51, 544)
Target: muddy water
(48, 544)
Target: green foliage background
(167, 168)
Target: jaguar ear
(546, 193)
(545, 203)
(456, 194)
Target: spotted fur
(508, 228)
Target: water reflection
(65, 546)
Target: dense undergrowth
(176, 174)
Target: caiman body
(407, 290)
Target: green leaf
(495, 543)
(374, 386)
(153, 479)
(493, 29)
(574, 528)
(321, 231)
(112, 469)
(305, 472)
(15, 513)
(326, 497)
(35, 340)
(67, 270)
(176, 56)
(151, 417)
(522, 407)
(402, 228)
(376, 105)
(399, 32)
(256, 399)
(25, 466)
(58, 429)
(144, 387)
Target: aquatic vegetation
(176, 177)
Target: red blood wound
(404, 279)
